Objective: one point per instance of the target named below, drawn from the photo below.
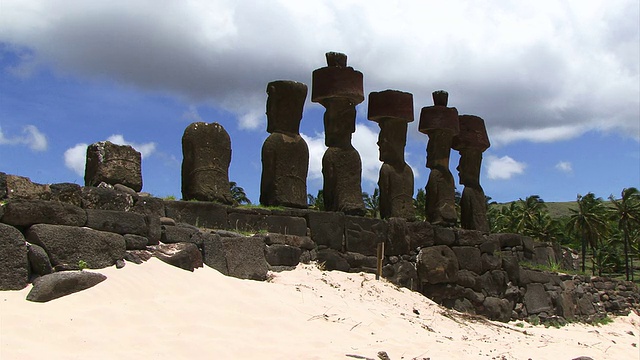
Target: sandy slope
(156, 311)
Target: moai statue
(113, 164)
(285, 155)
(206, 151)
(339, 88)
(471, 142)
(393, 110)
(440, 123)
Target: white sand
(156, 311)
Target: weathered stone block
(327, 228)
(490, 245)
(332, 260)
(38, 260)
(507, 240)
(245, 257)
(490, 262)
(249, 222)
(135, 242)
(201, 214)
(106, 199)
(20, 187)
(468, 258)
(186, 256)
(148, 205)
(14, 265)
(364, 234)
(113, 164)
(282, 255)
(70, 244)
(512, 267)
(468, 237)
(67, 193)
(437, 264)
(403, 274)
(213, 253)
(443, 236)
(288, 225)
(177, 234)
(116, 222)
(493, 283)
(421, 234)
(536, 299)
(496, 309)
(29, 212)
(303, 242)
(56, 285)
(398, 239)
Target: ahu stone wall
(53, 228)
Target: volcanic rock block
(135, 242)
(116, 222)
(468, 258)
(113, 164)
(327, 228)
(206, 151)
(20, 187)
(337, 80)
(245, 257)
(362, 235)
(38, 260)
(69, 244)
(200, 214)
(282, 255)
(390, 105)
(29, 212)
(67, 193)
(437, 264)
(332, 260)
(398, 240)
(285, 154)
(186, 256)
(421, 234)
(536, 299)
(56, 285)
(106, 199)
(497, 309)
(3, 185)
(14, 265)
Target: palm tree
(238, 194)
(529, 211)
(372, 203)
(420, 203)
(316, 202)
(626, 211)
(588, 222)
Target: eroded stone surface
(113, 164)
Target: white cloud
(145, 149)
(565, 167)
(521, 68)
(192, 115)
(503, 168)
(316, 151)
(75, 158)
(32, 137)
(365, 140)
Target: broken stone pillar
(471, 142)
(440, 123)
(393, 110)
(339, 88)
(113, 164)
(206, 151)
(285, 154)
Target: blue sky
(557, 84)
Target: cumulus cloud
(316, 151)
(522, 68)
(565, 167)
(503, 168)
(365, 141)
(145, 149)
(75, 158)
(192, 115)
(31, 137)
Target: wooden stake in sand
(380, 256)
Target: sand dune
(156, 311)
